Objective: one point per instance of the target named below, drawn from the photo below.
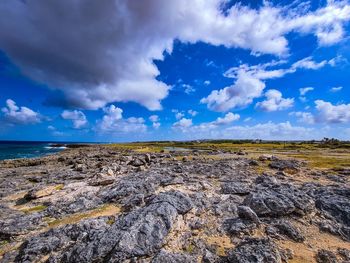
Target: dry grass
(315, 240)
(106, 210)
(33, 209)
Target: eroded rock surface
(101, 204)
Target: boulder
(326, 256)
(254, 250)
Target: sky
(130, 70)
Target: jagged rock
(137, 162)
(285, 164)
(279, 200)
(235, 188)
(266, 157)
(147, 158)
(166, 257)
(266, 180)
(286, 229)
(253, 163)
(326, 256)
(101, 180)
(344, 254)
(246, 212)
(335, 229)
(335, 203)
(240, 227)
(255, 250)
(142, 232)
(209, 257)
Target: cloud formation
(249, 83)
(305, 90)
(267, 131)
(336, 89)
(113, 122)
(329, 113)
(20, 115)
(274, 102)
(326, 113)
(155, 121)
(103, 51)
(78, 118)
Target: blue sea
(29, 149)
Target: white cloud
(188, 88)
(155, 121)
(249, 83)
(156, 125)
(336, 89)
(304, 117)
(274, 102)
(78, 118)
(305, 90)
(19, 115)
(228, 118)
(183, 124)
(326, 112)
(106, 53)
(154, 118)
(247, 119)
(192, 112)
(329, 113)
(179, 115)
(308, 63)
(54, 131)
(113, 122)
(267, 131)
(207, 82)
(240, 94)
(186, 125)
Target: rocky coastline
(100, 204)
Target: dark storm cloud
(98, 52)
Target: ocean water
(26, 149)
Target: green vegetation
(325, 154)
(33, 209)
(59, 187)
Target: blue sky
(127, 71)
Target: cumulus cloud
(228, 118)
(186, 125)
(249, 83)
(103, 52)
(267, 131)
(329, 113)
(192, 112)
(156, 125)
(274, 102)
(20, 115)
(54, 131)
(326, 113)
(183, 124)
(336, 89)
(240, 94)
(154, 118)
(113, 122)
(304, 117)
(179, 115)
(78, 118)
(155, 121)
(188, 88)
(305, 90)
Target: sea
(29, 149)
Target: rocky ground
(98, 204)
